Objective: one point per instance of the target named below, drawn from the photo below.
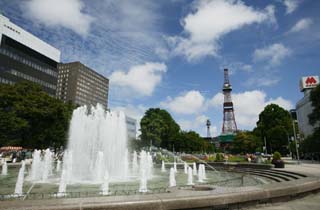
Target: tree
(275, 124)
(29, 117)
(246, 142)
(190, 141)
(158, 127)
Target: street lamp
(293, 117)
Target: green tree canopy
(29, 117)
(275, 124)
(246, 142)
(158, 127)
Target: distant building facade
(304, 106)
(25, 57)
(131, 127)
(81, 85)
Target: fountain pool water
(4, 171)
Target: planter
(279, 164)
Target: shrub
(276, 156)
(219, 157)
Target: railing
(235, 182)
(55, 195)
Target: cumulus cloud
(248, 106)
(301, 25)
(142, 79)
(209, 21)
(274, 54)
(68, 14)
(189, 103)
(291, 5)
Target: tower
(208, 124)
(229, 125)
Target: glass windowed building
(25, 57)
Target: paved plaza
(310, 202)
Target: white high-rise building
(23, 56)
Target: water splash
(190, 176)
(47, 165)
(58, 167)
(19, 184)
(135, 165)
(105, 185)
(195, 169)
(4, 168)
(143, 181)
(186, 168)
(63, 184)
(163, 168)
(92, 131)
(172, 178)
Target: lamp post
(293, 116)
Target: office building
(25, 57)
(81, 85)
(131, 127)
(304, 106)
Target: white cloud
(291, 5)
(142, 79)
(248, 105)
(189, 103)
(301, 25)
(262, 81)
(68, 14)
(209, 21)
(274, 53)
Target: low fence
(233, 182)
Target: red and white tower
(229, 123)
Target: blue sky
(171, 54)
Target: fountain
(149, 165)
(163, 168)
(172, 178)
(41, 170)
(36, 166)
(62, 185)
(186, 168)
(143, 181)
(135, 162)
(200, 173)
(58, 167)
(47, 165)
(98, 142)
(99, 167)
(105, 185)
(4, 168)
(204, 171)
(19, 184)
(175, 166)
(194, 169)
(190, 176)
